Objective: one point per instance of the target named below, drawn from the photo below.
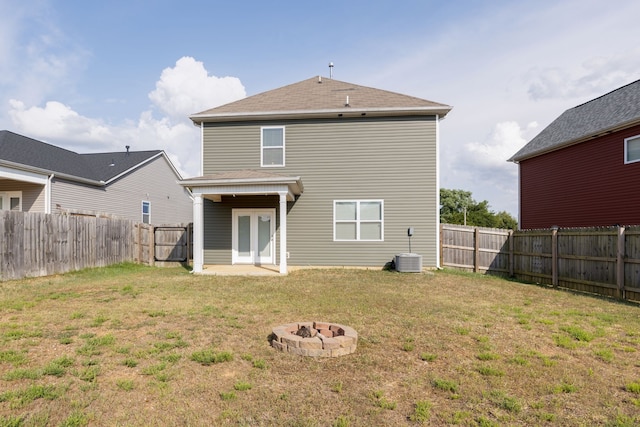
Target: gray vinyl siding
(32, 194)
(393, 160)
(154, 182)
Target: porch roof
(244, 182)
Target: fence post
(620, 291)
(554, 256)
(138, 247)
(152, 245)
(440, 248)
(188, 230)
(511, 249)
(476, 250)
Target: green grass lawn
(139, 346)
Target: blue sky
(96, 76)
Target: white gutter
(433, 110)
(224, 181)
(47, 172)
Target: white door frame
(254, 256)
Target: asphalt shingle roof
(612, 111)
(36, 154)
(321, 94)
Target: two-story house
(141, 186)
(583, 170)
(317, 173)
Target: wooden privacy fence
(37, 244)
(604, 261)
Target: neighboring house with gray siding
(317, 173)
(142, 186)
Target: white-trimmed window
(146, 212)
(272, 146)
(358, 220)
(632, 149)
(11, 201)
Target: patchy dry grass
(131, 345)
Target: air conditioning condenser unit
(409, 263)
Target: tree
(458, 207)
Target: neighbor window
(358, 220)
(146, 212)
(632, 149)
(11, 201)
(272, 146)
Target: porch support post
(198, 233)
(283, 232)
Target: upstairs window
(358, 220)
(272, 146)
(632, 149)
(146, 212)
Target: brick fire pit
(316, 339)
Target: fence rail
(604, 261)
(37, 244)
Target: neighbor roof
(99, 168)
(608, 113)
(321, 97)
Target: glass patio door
(253, 236)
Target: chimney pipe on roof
(330, 70)
(127, 147)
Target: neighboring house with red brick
(317, 173)
(583, 170)
(142, 186)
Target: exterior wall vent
(409, 263)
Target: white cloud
(56, 121)
(595, 76)
(483, 165)
(187, 88)
(178, 93)
(492, 154)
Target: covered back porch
(247, 225)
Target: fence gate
(172, 243)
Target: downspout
(437, 198)
(201, 148)
(47, 194)
(519, 198)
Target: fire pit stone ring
(315, 339)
